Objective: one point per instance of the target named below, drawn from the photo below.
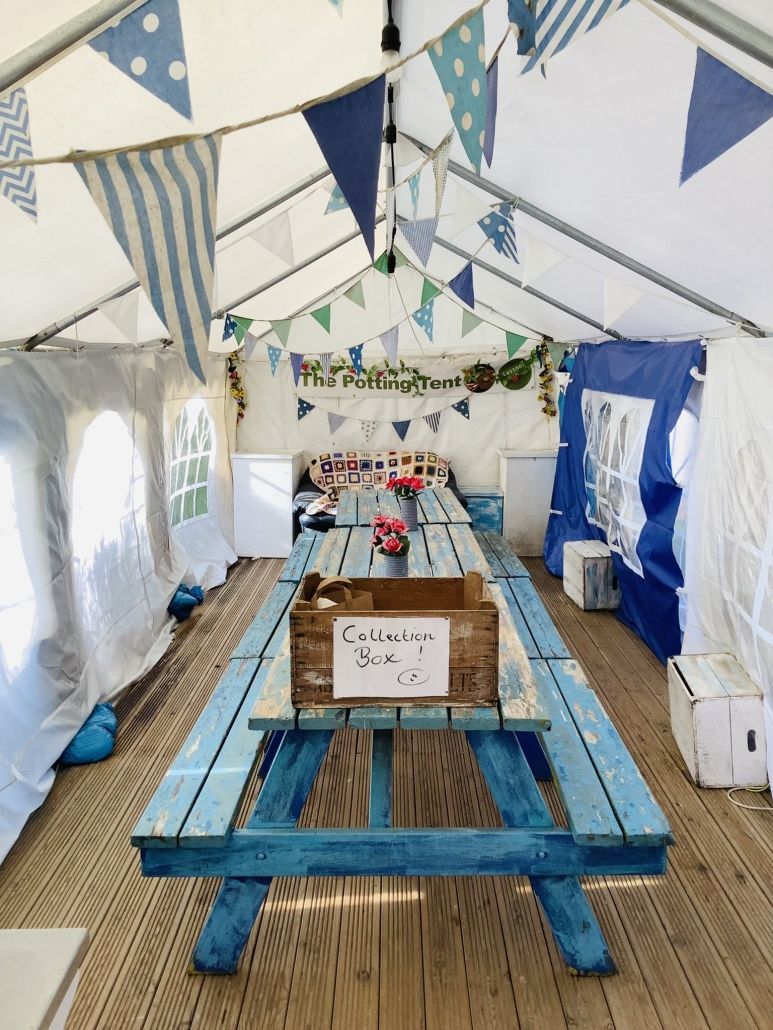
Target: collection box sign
(390, 657)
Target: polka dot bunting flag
(304, 408)
(424, 317)
(147, 45)
(274, 354)
(463, 407)
(459, 59)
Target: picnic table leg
(534, 755)
(280, 802)
(514, 789)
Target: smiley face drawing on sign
(413, 677)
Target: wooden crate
(717, 720)
(473, 677)
(589, 576)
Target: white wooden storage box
(717, 720)
(589, 576)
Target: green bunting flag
(355, 294)
(470, 321)
(428, 291)
(322, 315)
(241, 327)
(282, 329)
(514, 343)
(380, 264)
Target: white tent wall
(89, 561)
(729, 579)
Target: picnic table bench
(548, 724)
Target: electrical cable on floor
(751, 790)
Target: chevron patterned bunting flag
(440, 168)
(421, 236)
(281, 329)
(241, 325)
(514, 343)
(389, 343)
(296, 360)
(322, 315)
(147, 45)
(355, 294)
(368, 429)
(160, 205)
(413, 187)
(492, 77)
(229, 328)
(463, 286)
(463, 407)
(326, 361)
(424, 317)
(304, 408)
(499, 228)
(724, 109)
(348, 130)
(337, 201)
(470, 321)
(459, 59)
(274, 354)
(433, 421)
(355, 353)
(401, 428)
(558, 22)
(428, 291)
(250, 343)
(17, 184)
(335, 421)
(521, 14)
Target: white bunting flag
(277, 237)
(123, 313)
(468, 209)
(335, 421)
(250, 340)
(540, 258)
(389, 343)
(618, 298)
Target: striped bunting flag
(326, 361)
(558, 22)
(17, 184)
(433, 421)
(160, 205)
(499, 228)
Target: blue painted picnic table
(548, 724)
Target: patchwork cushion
(370, 470)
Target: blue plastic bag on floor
(95, 739)
(184, 601)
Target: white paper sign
(378, 657)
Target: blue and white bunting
(304, 408)
(459, 59)
(420, 235)
(440, 170)
(463, 407)
(338, 5)
(521, 14)
(492, 77)
(296, 360)
(229, 328)
(337, 201)
(17, 184)
(161, 206)
(326, 361)
(250, 343)
(413, 186)
(335, 421)
(348, 130)
(274, 354)
(355, 353)
(147, 45)
(401, 428)
(558, 22)
(389, 343)
(462, 285)
(424, 317)
(498, 226)
(433, 420)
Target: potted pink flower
(406, 489)
(390, 539)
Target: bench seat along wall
(89, 560)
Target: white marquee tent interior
(590, 152)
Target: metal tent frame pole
(595, 245)
(723, 24)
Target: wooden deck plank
(331, 554)
(468, 552)
(293, 568)
(541, 626)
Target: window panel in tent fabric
(89, 558)
(729, 578)
(189, 469)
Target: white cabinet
(526, 479)
(264, 486)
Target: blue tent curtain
(613, 479)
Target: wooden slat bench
(548, 723)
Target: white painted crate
(717, 720)
(589, 576)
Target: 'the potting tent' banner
(613, 476)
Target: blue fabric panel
(659, 372)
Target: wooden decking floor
(694, 948)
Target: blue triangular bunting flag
(296, 360)
(462, 285)
(459, 58)
(724, 108)
(401, 428)
(274, 354)
(348, 131)
(433, 421)
(389, 343)
(17, 184)
(521, 14)
(337, 201)
(355, 353)
(164, 219)
(420, 235)
(463, 407)
(147, 45)
(557, 23)
(425, 317)
(304, 408)
(492, 76)
(229, 328)
(335, 421)
(499, 228)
